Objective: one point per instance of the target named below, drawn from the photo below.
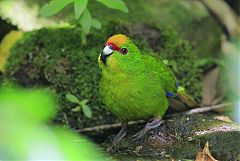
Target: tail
(185, 98)
(180, 100)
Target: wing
(158, 71)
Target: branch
(225, 15)
(108, 126)
(209, 108)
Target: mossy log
(181, 137)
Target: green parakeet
(134, 85)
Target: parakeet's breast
(133, 97)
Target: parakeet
(134, 85)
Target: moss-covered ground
(182, 137)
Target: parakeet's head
(118, 53)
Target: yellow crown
(118, 39)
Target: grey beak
(107, 51)
(103, 57)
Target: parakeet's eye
(110, 46)
(124, 51)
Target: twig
(107, 126)
(209, 108)
(192, 111)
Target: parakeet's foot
(121, 134)
(149, 126)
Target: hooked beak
(107, 51)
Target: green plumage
(134, 86)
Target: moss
(55, 57)
(48, 57)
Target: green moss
(55, 58)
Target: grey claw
(151, 125)
(139, 135)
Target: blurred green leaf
(23, 113)
(115, 4)
(86, 110)
(72, 98)
(76, 109)
(165, 61)
(83, 38)
(96, 23)
(53, 7)
(33, 104)
(84, 102)
(79, 7)
(86, 20)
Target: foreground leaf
(115, 4)
(96, 23)
(79, 7)
(86, 21)
(53, 7)
(83, 38)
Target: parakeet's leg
(149, 126)
(121, 134)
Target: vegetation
(80, 105)
(82, 13)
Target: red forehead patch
(113, 46)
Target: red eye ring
(124, 51)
